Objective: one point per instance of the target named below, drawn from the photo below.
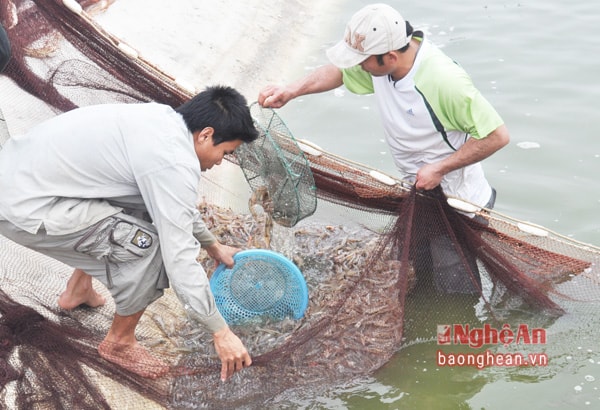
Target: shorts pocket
(118, 240)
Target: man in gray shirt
(97, 187)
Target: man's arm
(322, 79)
(230, 349)
(474, 150)
(171, 206)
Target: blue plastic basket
(262, 284)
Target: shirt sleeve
(484, 117)
(456, 101)
(464, 108)
(357, 80)
(170, 197)
(201, 232)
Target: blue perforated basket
(262, 284)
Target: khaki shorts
(121, 251)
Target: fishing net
(382, 261)
(277, 171)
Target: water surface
(536, 61)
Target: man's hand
(274, 96)
(222, 253)
(234, 356)
(428, 177)
(324, 78)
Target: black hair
(222, 108)
(409, 31)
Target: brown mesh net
(54, 361)
(382, 261)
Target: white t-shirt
(428, 115)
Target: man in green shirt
(436, 123)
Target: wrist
(221, 332)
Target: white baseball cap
(375, 29)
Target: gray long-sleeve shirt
(80, 167)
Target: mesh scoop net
(275, 167)
(369, 255)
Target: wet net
(381, 260)
(277, 171)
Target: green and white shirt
(429, 114)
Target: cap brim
(343, 56)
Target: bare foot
(70, 300)
(135, 358)
(79, 292)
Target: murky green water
(536, 62)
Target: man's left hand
(428, 177)
(222, 253)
